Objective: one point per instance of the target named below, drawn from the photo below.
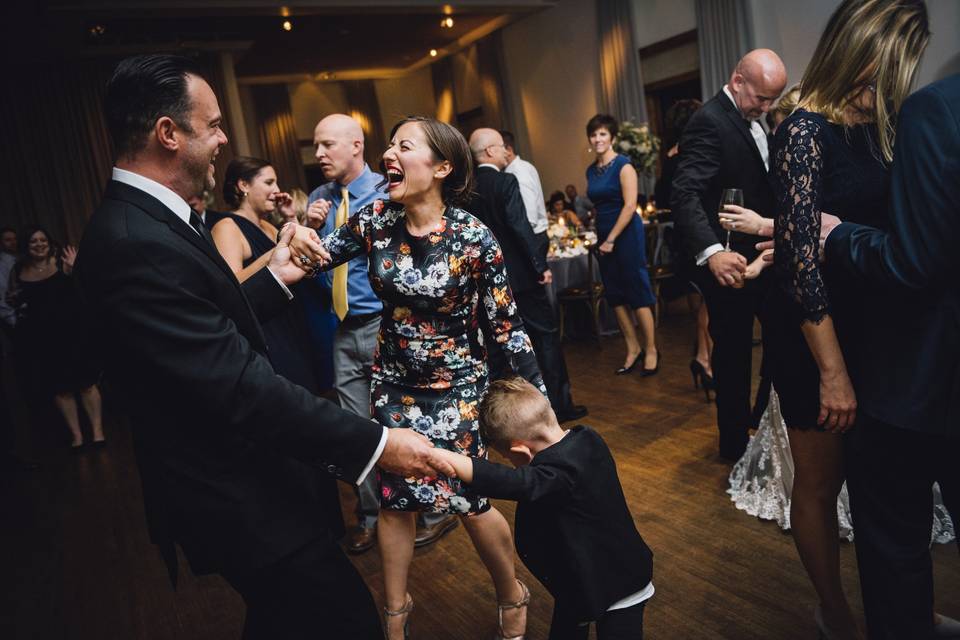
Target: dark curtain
(278, 136)
(442, 74)
(496, 108)
(724, 35)
(364, 108)
(213, 72)
(57, 157)
(621, 87)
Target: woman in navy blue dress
(612, 187)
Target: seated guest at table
(53, 334)
(246, 239)
(574, 530)
(557, 211)
(581, 205)
(612, 187)
(497, 203)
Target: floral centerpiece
(640, 145)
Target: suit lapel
(159, 211)
(741, 125)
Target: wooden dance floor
(76, 562)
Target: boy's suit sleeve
(534, 482)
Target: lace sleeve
(799, 163)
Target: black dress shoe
(429, 534)
(361, 539)
(646, 373)
(573, 412)
(625, 370)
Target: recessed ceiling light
(447, 10)
(287, 25)
(433, 53)
(97, 30)
(447, 23)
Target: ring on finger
(304, 260)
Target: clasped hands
(410, 454)
(299, 252)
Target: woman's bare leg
(704, 341)
(491, 536)
(629, 333)
(396, 531)
(818, 477)
(648, 328)
(67, 405)
(92, 404)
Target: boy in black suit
(574, 531)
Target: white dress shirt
(760, 138)
(531, 191)
(179, 206)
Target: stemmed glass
(730, 196)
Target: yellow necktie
(340, 304)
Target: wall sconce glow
(433, 53)
(447, 10)
(287, 25)
(285, 12)
(447, 23)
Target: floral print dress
(430, 367)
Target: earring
(243, 194)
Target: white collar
(487, 164)
(164, 194)
(726, 90)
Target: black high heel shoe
(646, 373)
(625, 370)
(701, 378)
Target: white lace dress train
(762, 480)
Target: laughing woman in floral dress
(435, 267)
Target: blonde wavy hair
(867, 43)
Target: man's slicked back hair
(142, 90)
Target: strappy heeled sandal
(519, 604)
(404, 610)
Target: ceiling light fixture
(447, 23)
(287, 25)
(447, 10)
(433, 53)
(285, 12)
(97, 30)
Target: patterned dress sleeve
(799, 163)
(354, 237)
(501, 309)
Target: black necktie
(198, 226)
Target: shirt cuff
(374, 458)
(286, 290)
(704, 255)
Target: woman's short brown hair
(603, 121)
(448, 144)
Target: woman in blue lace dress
(831, 155)
(435, 267)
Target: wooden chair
(589, 292)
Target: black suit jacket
(915, 265)
(497, 203)
(574, 531)
(220, 438)
(717, 151)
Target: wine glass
(730, 196)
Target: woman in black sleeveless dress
(245, 239)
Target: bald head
(757, 82)
(487, 147)
(339, 142)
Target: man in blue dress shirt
(351, 186)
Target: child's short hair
(512, 410)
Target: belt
(358, 319)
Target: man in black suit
(907, 434)
(498, 204)
(723, 146)
(222, 441)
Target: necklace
(602, 168)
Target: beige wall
(656, 20)
(411, 95)
(552, 79)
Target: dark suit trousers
(620, 624)
(313, 593)
(731, 326)
(890, 474)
